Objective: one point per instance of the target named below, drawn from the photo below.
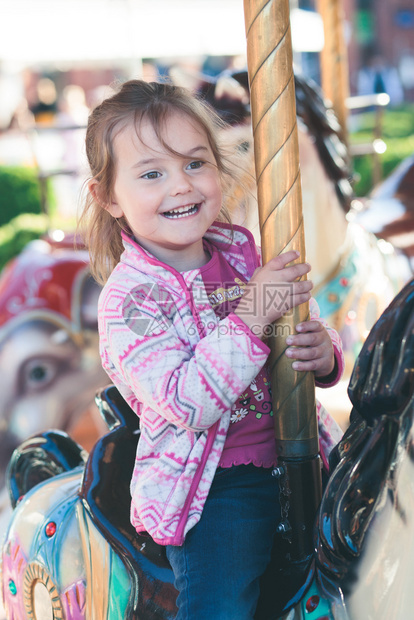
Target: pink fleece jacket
(181, 368)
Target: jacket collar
(235, 242)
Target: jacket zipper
(196, 480)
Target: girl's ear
(112, 207)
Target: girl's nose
(181, 184)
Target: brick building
(386, 28)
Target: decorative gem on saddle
(50, 529)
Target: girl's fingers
(292, 273)
(306, 366)
(278, 262)
(311, 349)
(304, 354)
(304, 340)
(304, 286)
(289, 274)
(299, 299)
(310, 326)
(283, 298)
(321, 367)
(294, 290)
(312, 333)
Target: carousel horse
(92, 564)
(70, 551)
(49, 356)
(355, 274)
(365, 526)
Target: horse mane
(318, 115)
(382, 382)
(367, 461)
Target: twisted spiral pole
(272, 91)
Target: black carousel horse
(366, 514)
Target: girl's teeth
(181, 212)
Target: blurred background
(58, 59)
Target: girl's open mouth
(181, 212)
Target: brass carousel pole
(272, 91)
(334, 60)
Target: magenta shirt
(251, 437)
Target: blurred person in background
(45, 108)
(377, 76)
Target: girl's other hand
(312, 349)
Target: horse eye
(38, 374)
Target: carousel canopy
(82, 31)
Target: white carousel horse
(355, 273)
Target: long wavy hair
(135, 101)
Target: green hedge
(20, 192)
(397, 133)
(397, 122)
(17, 233)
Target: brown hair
(136, 100)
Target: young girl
(184, 353)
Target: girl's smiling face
(169, 200)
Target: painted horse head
(49, 357)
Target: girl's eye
(151, 175)
(195, 165)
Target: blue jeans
(218, 568)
